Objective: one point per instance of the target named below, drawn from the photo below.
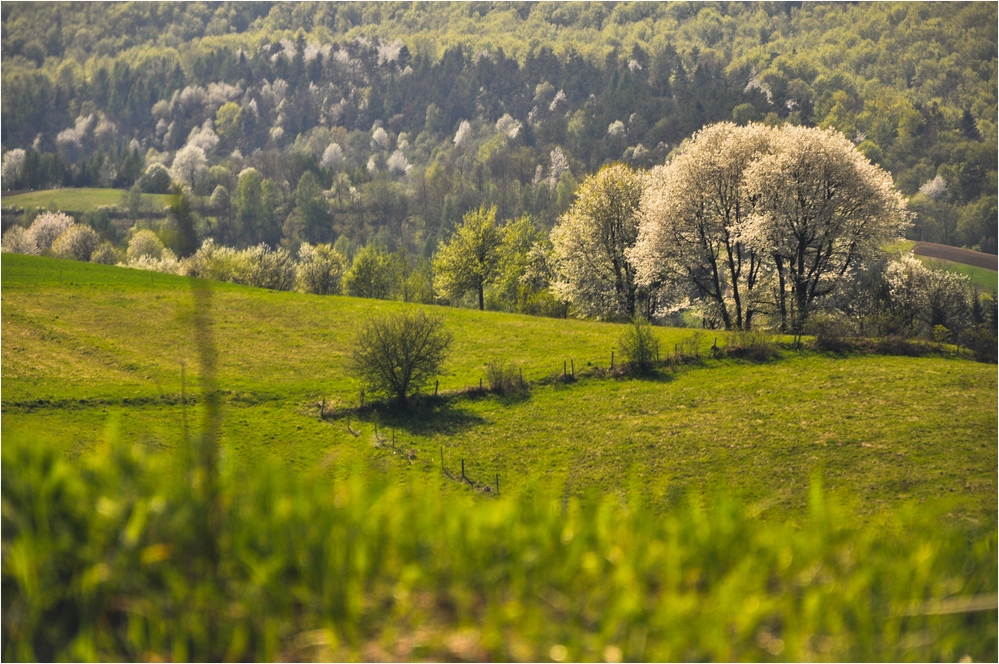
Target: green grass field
(986, 279)
(84, 343)
(78, 200)
(681, 517)
(980, 276)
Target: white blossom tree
(689, 246)
(333, 157)
(188, 164)
(47, 227)
(463, 133)
(820, 208)
(591, 242)
(10, 171)
(17, 240)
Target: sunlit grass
(78, 200)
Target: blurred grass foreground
(107, 557)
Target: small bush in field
(981, 340)
(505, 378)
(755, 346)
(640, 346)
(831, 333)
(396, 355)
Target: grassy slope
(77, 200)
(106, 343)
(987, 279)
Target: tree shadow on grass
(422, 416)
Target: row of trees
(746, 226)
(744, 222)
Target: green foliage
(398, 355)
(101, 562)
(470, 259)
(640, 346)
(373, 274)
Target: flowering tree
(591, 242)
(820, 209)
(188, 164)
(320, 269)
(692, 212)
(47, 227)
(78, 242)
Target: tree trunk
(482, 304)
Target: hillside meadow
(85, 345)
(78, 200)
(814, 506)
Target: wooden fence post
(612, 360)
(463, 470)
(573, 363)
(497, 484)
(437, 384)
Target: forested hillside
(408, 116)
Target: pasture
(815, 506)
(77, 200)
(85, 343)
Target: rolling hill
(84, 343)
(679, 517)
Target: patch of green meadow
(85, 343)
(78, 200)
(979, 276)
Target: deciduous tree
(398, 354)
(591, 242)
(470, 259)
(820, 209)
(692, 211)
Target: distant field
(77, 200)
(87, 344)
(983, 277)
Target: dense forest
(386, 123)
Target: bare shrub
(398, 354)
(505, 378)
(756, 346)
(831, 333)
